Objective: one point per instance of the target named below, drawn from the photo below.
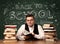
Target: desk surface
(30, 42)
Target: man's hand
(32, 34)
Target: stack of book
(10, 32)
(50, 32)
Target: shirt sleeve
(41, 33)
(20, 31)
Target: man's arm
(20, 31)
(41, 33)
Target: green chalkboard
(14, 12)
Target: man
(30, 30)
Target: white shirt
(21, 32)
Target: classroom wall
(14, 12)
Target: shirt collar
(31, 27)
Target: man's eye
(30, 20)
(27, 20)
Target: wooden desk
(30, 42)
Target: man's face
(30, 21)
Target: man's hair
(30, 15)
